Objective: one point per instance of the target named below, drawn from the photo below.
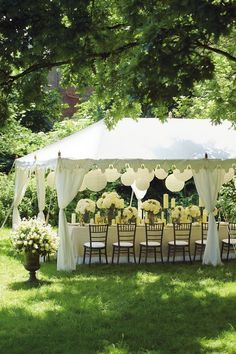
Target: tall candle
(201, 204)
(73, 218)
(162, 216)
(172, 203)
(165, 201)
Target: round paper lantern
(128, 177)
(111, 174)
(51, 179)
(160, 173)
(83, 186)
(229, 175)
(183, 176)
(145, 174)
(95, 180)
(142, 184)
(174, 184)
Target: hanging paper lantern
(128, 177)
(229, 175)
(83, 186)
(95, 180)
(143, 173)
(142, 184)
(51, 179)
(160, 173)
(111, 174)
(174, 184)
(183, 176)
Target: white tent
(177, 143)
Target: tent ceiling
(145, 140)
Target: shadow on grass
(124, 309)
(26, 285)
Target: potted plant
(85, 207)
(152, 207)
(130, 214)
(34, 239)
(111, 202)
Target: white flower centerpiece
(33, 238)
(111, 202)
(194, 213)
(153, 207)
(130, 214)
(177, 213)
(85, 208)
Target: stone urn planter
(32, 264)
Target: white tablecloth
(80, 234)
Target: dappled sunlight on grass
(117, 309)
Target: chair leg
(84, 255)
(174, 255)
(189, 254)
(100, 256)
(128, 256)
(162, 261)
(168, 257)
(90, 255)
(118, 255)
(184, 254)
(113, 254)
(228, 252)
(146, 254)
(195, 252)
(106, 256)
(155, 254)
(222, 249)
(140, 253)
(134, 255)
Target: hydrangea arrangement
(178, 213)
(110, 200)
(130, 213)
(151, 205)
(85, 206)
(194, 212)
(33, 236)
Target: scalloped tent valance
(176, 143)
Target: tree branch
(105, 55)
(218, 51)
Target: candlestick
(91, 221)
(165, 201)
(201, 204)
(73, 218)
(172, 203)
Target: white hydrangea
(130, 212)
(110, 200)
(85, 205)
(151, 205)
(194, 211)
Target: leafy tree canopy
(137, 55)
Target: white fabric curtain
(40, 182)
(208, 184)
(68, 183)
(21, 181)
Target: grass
(177, 309)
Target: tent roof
(145, 140)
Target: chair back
(231, 231)
(126, 233)
(154, 232)
(182, 231)
(98, 233)
(204, 229)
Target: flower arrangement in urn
(110, 201)
(33, 238)
(153, 207)
(178, 214)
(85, 207)
(194, 213)
(130, 214)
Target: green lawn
(117, 309)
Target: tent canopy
(146, 140)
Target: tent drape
(68, 182)
(21, 181)
(208, 184)
(40, 182)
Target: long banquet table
(80, 234)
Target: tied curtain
(22, 179)
(40, 182)
(68, 183)
(208, 183)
